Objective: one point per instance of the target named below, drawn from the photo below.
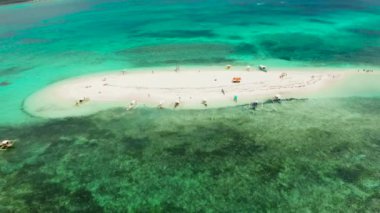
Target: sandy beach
(189, 88)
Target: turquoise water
(318, 155)
(45, 42)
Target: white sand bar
(190, 86)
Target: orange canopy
(236, 79)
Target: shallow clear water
(306, 156)
(318, 155)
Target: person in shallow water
(254, 105)
(132, 105)
(161, 105)
(277, 98)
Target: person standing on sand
(176, 104)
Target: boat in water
(263, 68)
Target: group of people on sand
(365, 70)
(248, 68)
(133, 104)
(6, 144)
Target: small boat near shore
(263, 68)
(6, 144)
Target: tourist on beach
(283, 75)
(84, 99)
(81, 101)
(277, 98)
(176, 104)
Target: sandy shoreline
(190, 86)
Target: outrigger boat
(263, 68)
(6, 144)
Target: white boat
(5, 144)
(262, 68)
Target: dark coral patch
(4, 83)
